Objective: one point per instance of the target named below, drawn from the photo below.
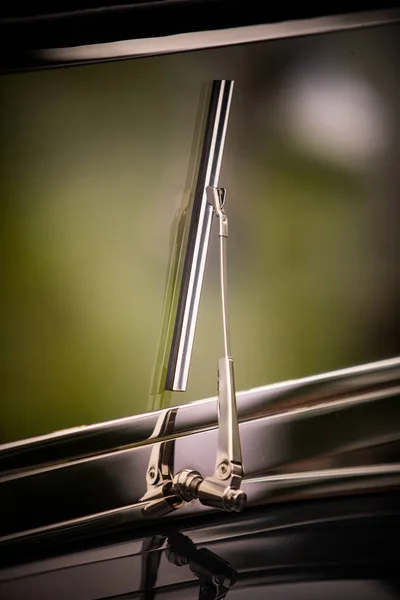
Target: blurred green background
(94, 163)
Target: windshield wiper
(166, 491)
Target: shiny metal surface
(167, 491)
(222, 488)
(325, 435)
(160, 497)
(216, 197)
(322, 438)
(215, 574)
(313, 549)
(217, 38)
(198, 240)
(348, 387)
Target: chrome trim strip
(301, 412)
(326, 475)
(218, 38)
(332, 434)
(131, 432)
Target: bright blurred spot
(335, 114)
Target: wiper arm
(221, 490)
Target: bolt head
(152, 474)
(223, 471)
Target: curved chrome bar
(88, 442)
(331, 434)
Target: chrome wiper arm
(229, 448)
(222, 489)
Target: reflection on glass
(94, 164)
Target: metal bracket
(222, 489)
(160, 492)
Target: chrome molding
(331, 434)
(218, 38)
(90, 441)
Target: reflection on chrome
(217, 38)
(336, 433)
(198, 238)
(216, 576)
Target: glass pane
(95, 165)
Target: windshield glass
(97, 164)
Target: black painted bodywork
(341, 547)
